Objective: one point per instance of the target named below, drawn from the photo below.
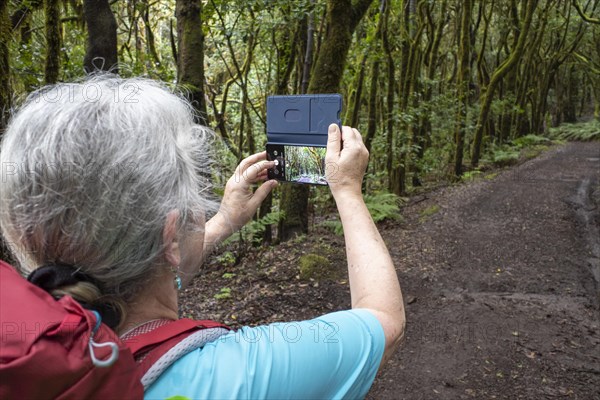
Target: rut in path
(501, 286)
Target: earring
(177, 279)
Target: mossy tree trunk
(286, 42)
(464, 78)
(101, 50)
(372, 104)
(5, 92)
(342, 17)
(497, 76)
(190, 55)
(390, 93)
(558, 53)
(437, 28)
(52, 23)
(353, 108)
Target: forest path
(502, 300)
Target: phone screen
(299, 164)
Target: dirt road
(500, 284)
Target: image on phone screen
(297, 164)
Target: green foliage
(505, 156)
(531, 140)
(228, 275)
(381, 206)
(224, 293)
(275, 27)
(252, 232)
(429, 211)
(227, 259)
(471, 175)
(334, 225)
(587, 131)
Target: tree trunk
(391, 86)
(150, 42)
(497, 77)
(190, 57)
(431, 71)
(372, 120)
(286, 57)
(353, 108)
(52, 65)
(5, 92)
(101, 51)
(342, 18)
(464, 78)
(308, 57)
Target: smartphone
(297, 135)
(297, 164)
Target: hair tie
(56, 275)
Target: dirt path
(501, 298)
(500, 284)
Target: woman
(107, 178)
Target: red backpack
(53, 349)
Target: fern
(503, 157)
(586, 131)
(334, 225)
(530, 140)
(381, 206)
(252, 232)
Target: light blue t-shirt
(334, 356)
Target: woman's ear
(172, 254)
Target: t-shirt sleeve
(334, 356)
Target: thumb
(334, 140)
(262, 192)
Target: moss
(317, 267)
(430, 211)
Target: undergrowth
(586, 131)
(381, 206)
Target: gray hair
(90, 171)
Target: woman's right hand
(346, 161)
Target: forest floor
(499, 276)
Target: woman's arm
(373, 280)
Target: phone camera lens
(275, 152)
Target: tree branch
(582, 14)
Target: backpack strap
(159, 349)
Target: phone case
(302, 120)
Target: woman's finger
(261, 193)
(253, 171)
(334, 140)
(357, 134)
(251, 160)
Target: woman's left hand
(240, 203)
